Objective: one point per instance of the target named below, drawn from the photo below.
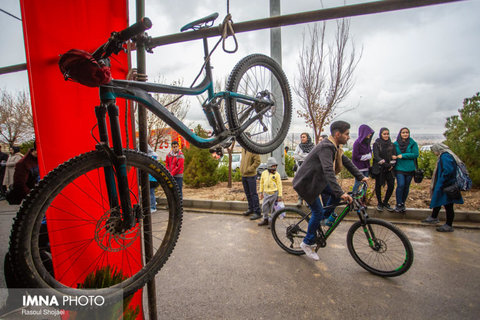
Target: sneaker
(264, 222)
(256, 216)
(444, 228)
(388, 207)
(380, 208)
(309, 251)
(331, 219)
(400, 208)
(299, 203)
(152, 210)
(247, 213)
(431, 220)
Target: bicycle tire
(52, 195)
(251, 76)
(392, 257)
(287, 234)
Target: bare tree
(325, 75)
(16, 121)
(157, 129)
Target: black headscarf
(308, 146)
(403, 144)
(386, 146)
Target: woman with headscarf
(362, 152)
(15, 156)
(304, 147)
(407, 154)
(443, 176)
(384, 159)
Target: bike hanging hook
(227, 30)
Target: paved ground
(225, 267)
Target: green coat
(407, 162)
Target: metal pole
(144, 181)
(298, 18)
(276, 54)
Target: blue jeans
(250, 189)
(357, 183)
(179, 181)
(314, 223)
(153, 201)
(403, 187)
(329, 199)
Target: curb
(413, 216)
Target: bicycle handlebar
(134, 29)
(115, 43)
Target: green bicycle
(376, 245)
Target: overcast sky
(417, 65)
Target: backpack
(464, 182)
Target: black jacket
(317, 172)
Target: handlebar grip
(135, 29)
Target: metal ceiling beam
(14, 68)
(285, 20)
(298, 18)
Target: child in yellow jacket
(270, 189)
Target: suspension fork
(117, 172)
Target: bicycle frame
(139, 91)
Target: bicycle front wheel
(260, 77)
(66, 230)
(380, 248)
(289, 227)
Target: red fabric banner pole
(64, 112)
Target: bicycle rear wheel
(288, 229)
(66, 230)
(259, 76)
(380, 248)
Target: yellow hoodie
(270, 183)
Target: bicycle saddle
(200, 23)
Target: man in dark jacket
(318, 173)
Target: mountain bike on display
(376, 245)
(86, 213)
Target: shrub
(427, 161)
(345, 174)
(200, 166)
(222, 173)
(289, 163)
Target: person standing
(153, 182)
(248, 170)
(175, 165)
(444, 175)
(384, 159)
(270, 190)
(407, 154)
(25, 177)
(15, 156)
(3, 163)
(304, 147)
(318, 172)
(362, 152)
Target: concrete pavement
(226, 267)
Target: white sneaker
(153, 210)
(309, 251)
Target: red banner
(64, 111)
